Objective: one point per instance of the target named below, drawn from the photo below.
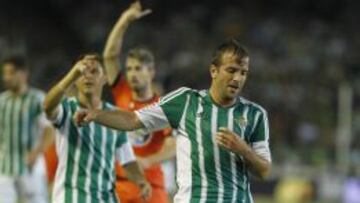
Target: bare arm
(46, 139)
(230, 141)
(114, 42)
(54, 96)
(167, 152)
(118, 119)
(135, 174)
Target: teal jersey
(205, 171)
(87, 156)
(21, 120)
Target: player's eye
(231, 70)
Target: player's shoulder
(37, 93)
(178, 93)
(4, 94)
(252, 105)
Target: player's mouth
(234, 87)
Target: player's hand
(135, 11)
(85, 65)
(31, 158)
(230, 141)
(84, 117)
(145, 190)
(144, 162)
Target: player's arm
(152, 118)
(118, 119)
(257, 156)
(259, 165)
(135, 174)
(167, 152)
(126, 157)
(56, 93)
(47, 137)
(114, 42)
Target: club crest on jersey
(242, 122)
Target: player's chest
(207, 121)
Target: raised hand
(135, 11)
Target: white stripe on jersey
(214, 119)
(16, 135)
(183, 163)
(199, 137)
(75, 174)
(61, 141)
(232, 157)
(90, 161)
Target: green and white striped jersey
(21, 123)
(206, 172)
(87, 156)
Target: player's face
(229, 78)
(138, 75)
(12, 77)
(92, 80)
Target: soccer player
(133, 91)
(86, 168)
(24, 134)
(222, 136)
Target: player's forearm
(46, 139)
(56, 93)
(112, 49)
(258, 165)
(167, 152)
(114, 42)
(134, 173)
(118, 119)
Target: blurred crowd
(301, 54)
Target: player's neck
(90, 101)
(218, 99)
(143, 95)
(22, 89)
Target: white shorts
(29, 188)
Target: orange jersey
(51, 162)
(143, 146)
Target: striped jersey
(87, 156)
(21, 121)
(205, 171)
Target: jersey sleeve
(124, 152)
(167, 112)
(63, 114)
(260, 137)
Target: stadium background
(305, 70)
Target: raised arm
(56, 93)
(114, 42)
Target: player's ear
(214, 71)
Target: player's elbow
(47, 107)
(265, 172)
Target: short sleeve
(167, 112)
(152, 117)
(124, 151)
(260, 136)
(64, 110)
(173, 105)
